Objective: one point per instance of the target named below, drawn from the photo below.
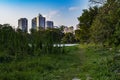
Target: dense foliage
(68, 38)
(31, 56)
(86, 21)
(100, 24)
(105, 27)
(83, 62)
(17, 44)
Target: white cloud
(52, 14)
(74, 8)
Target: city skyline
(38, 22)
(61, 12)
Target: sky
(62, 12)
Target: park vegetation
(38, 55)
(100, 25)
(17, 44)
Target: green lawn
(84, 61)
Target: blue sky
(62, 12)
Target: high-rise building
(23, 24)
(34, 23)
(49, 24)
(40, 21)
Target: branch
(98, 1)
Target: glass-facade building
(49, 24)
(34, 23)
(23, 24)
(41, 21)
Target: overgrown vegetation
(38, 56)
(100, 24)
(17, 44)
(99, 63)
(44, 67)
(82, 62)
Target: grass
(98, 63)
(83, 62)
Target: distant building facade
(41, 21)
(34, 23)
(38, 22)
(50, 24)
(23, 24)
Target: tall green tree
(103, 27)
(85, 22)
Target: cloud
(74, 8)
(52, 14)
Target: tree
(68, 38)
(62, 27)
(18, 44)
(116, 38)
(98, 1)
(85, 22)
(104, 25)
(77, 35)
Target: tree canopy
(100, 24)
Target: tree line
(15, 44)
(100, 23)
